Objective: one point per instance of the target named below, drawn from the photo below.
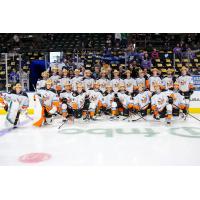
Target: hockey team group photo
(60, 94)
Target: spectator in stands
(96, 73)
(146, 62)
(154, 54)
(133, 67)
(189, 54)
(178, 51)
(14, 76)
(122, 71)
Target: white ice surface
(78, 144)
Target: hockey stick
(187, 113)
(137, 113)
(62, 124)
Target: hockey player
(54, 77)
(41, 83)
(88, 81)
(76, 79)
(116, 81)
(65, 79)
(130, 83)
(186, 86)
(108, 97)
(141, 79)
(79, 99)
(67, 104)
(95, 98)
(103, 81)
(142, 100)
(18, 103)
(123, 100)
(160, 106)
(154, 80)
(48, 103)
(168, 81)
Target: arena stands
(125, 51)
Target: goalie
(16, 103)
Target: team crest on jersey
(144, 99)
(161, 101)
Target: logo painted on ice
(189, 132)
(34, 157)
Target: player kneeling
(177, 100)
(108, 106)
(79, 99)
(124, 100)
(160, 106)
(68, 105)
(46, 105)
(93, 101)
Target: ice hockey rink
(102, 142)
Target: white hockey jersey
(167, 82)
(55, 78)
(47, 97)
(108, 98)
(154, 80)
(184, 83)
(68, 96)
(75, 81)
(63, 81)
(115, 83)
(160, 100)
(177, 97)
(40, 84)
(141, 81)
(129, 84)
(88, 83)
(124, 98)
(142, 99)
(79, 98)
(103, 82)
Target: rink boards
(194, 103)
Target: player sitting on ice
(67, 104)
(76, 79)
(107, 100)
(186, 86)
(79, 99)
(41, 83)
(153, 80)
(177, 101)
(130, 83)
(116, 81)
(103, 81)
(88, 82)
(18, 103)
(160, 106)
(121, 101)
(142, 101)
(168, 81)
(46, 105)
(95, 98)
